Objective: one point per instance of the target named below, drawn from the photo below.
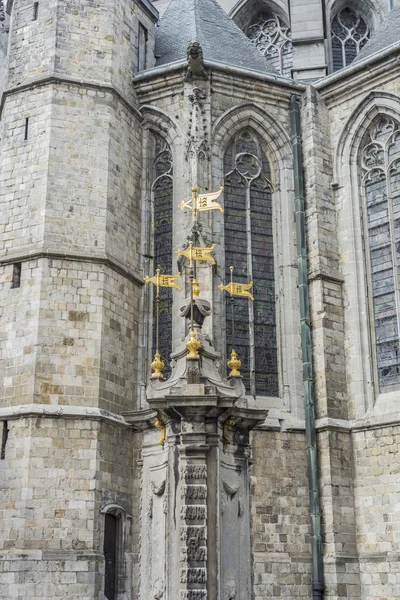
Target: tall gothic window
(274, 40)
(381, 186)
(162, 189)
(249, 249)
(350, 33)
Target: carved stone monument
(195, 530)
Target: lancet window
(349, 33)
(274, 40)
(249, 248)
(381, 195)
(162, 191)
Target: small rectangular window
(26, 131)
(16, 277)
(142, 47)
(4, 438)
(35, 11)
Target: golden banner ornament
(197, 253)
(204, 202)
(238, 289)
(161, 280)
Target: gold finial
(196, 288)
(228, 423)
(193, 344)
(234, 364)
(195, 189)
(157, 366)
(160, 425)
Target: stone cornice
(139, 420)
(63, 80)
(66, 412)
(181, 65)
(102, 260)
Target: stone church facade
(283, 483)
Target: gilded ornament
(193, 344)
(160, 425)
(234, 364)
(228, 423)
(157, 366)
(196, 288)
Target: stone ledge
(102, 260)
(66, 412)
(54, 79)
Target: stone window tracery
(249, 248)
(349, 33)
(274, 40)
(381, 186)
(162, 189)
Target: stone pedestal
(195, 530)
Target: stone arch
(245, 11)
(350, 234)
(158, 120)
(372, 11)
(370, 14)
(358, 123)
(267, 25)
(123, 567)
(278, 148)
(250, 114)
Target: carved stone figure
(195, 62)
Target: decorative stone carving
(150, 507)
(193, 576)
(193, 595)
(230, 589)
(231, 490)
(158, 589)
(193, 513)
(194, 472)
(158, 491)
(195, 62)
(198, 138)
(194, 492)
(201, 310)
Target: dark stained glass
(349, 34)
(163, 204)
(249, 248)
(382, 192)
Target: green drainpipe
(306, 350)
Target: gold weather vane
(235, 289)
(238, 289)
(197, 253)
(160, 280)
(203, 202)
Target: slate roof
(386, 34)
(206, 22)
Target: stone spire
(206, 22)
